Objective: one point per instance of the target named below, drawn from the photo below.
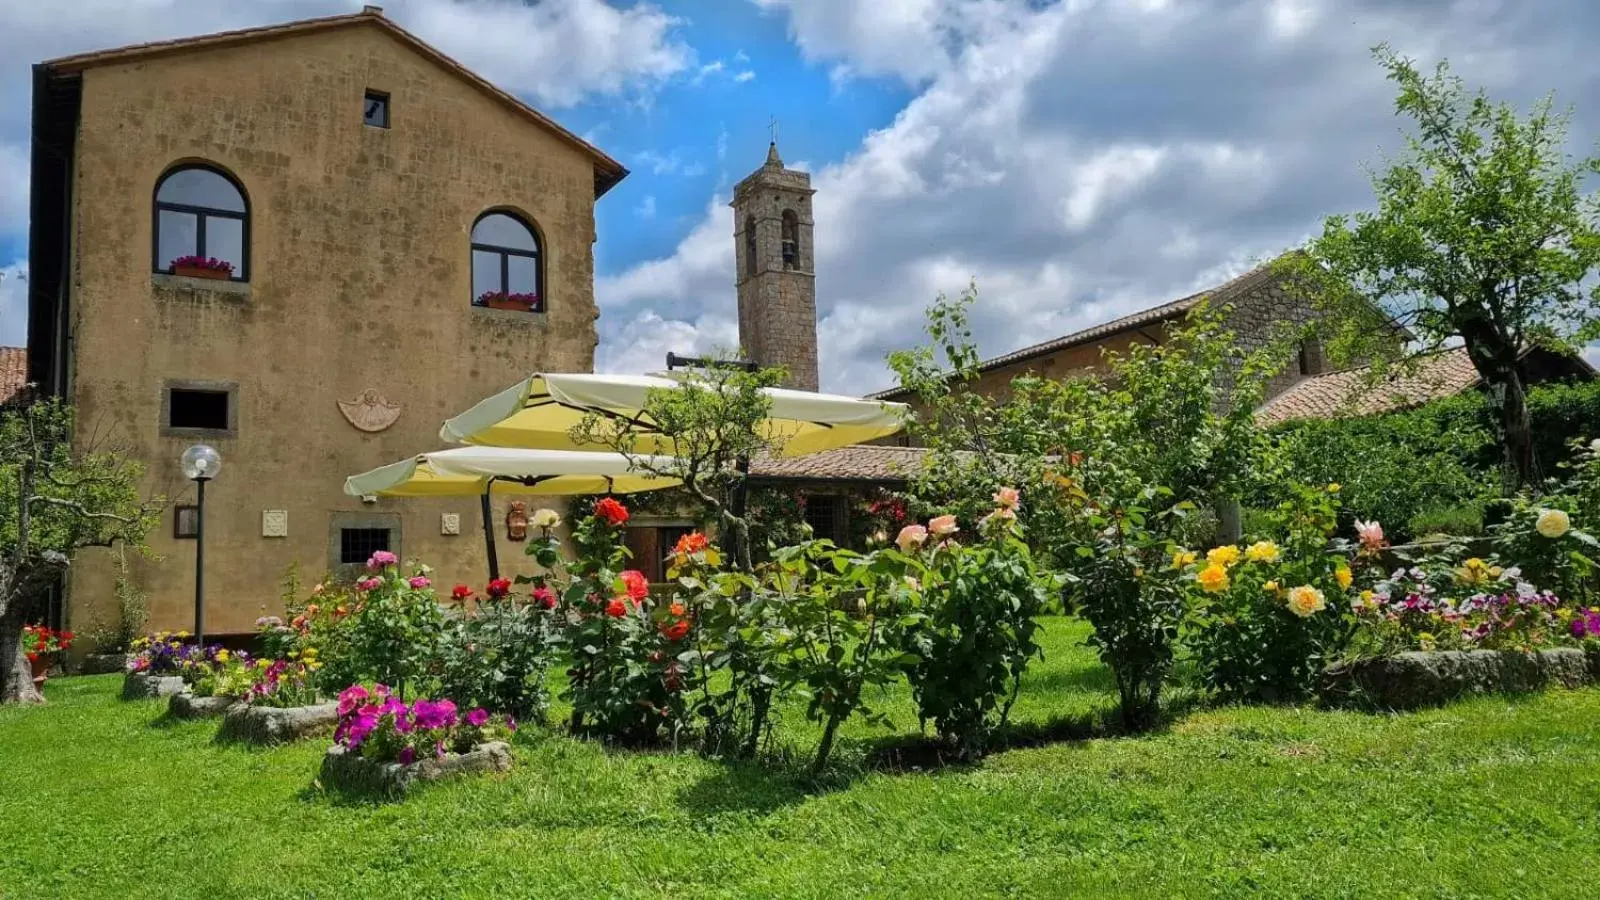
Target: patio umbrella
(538, 412)
(480, 471)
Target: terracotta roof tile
(1438, 375)
(861, 462)
(13, 372)
(608, 171)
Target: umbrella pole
(488, 533)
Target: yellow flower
(1270, 587)
(1473, 571)
(1183, 558)
(181, 634)
(263, 663)
(1263, 552)
(1213, 578)
(1306, 600)
(222, 655)
(309, 653)
(1343, 576)
(1552, 523)
(1224, 556)
(1333, 488)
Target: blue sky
(1080, 159)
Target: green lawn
(1495, 797)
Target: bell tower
(775, 279)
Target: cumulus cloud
(1084, 159)
(14, 304)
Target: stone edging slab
(188, 706)
(349, 772)
(139, 686)
(266, 725)
(1420, 679)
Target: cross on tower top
(773, 127)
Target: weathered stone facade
(359, 278)
(776, 278)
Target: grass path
(1494, 797)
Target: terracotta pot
(505, 303)
(201, 272)
(40, 665)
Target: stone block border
(138, 686)
(267, 725)
(1421, 679)
(188, 706)
(350, 773)
(104, 663)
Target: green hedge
(1430, 465)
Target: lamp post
(200, 464)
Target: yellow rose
(1270, 587)
(1263, 552)
(546, 518)
(1212, 579)
(1182, 558)
(1343, 576)
(1224, 556)
(1552, 523)
(1306, 600)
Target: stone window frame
(231, 388)
(339, 521)
(178, 532)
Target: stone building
(397, 238)
(776, 280)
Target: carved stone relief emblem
(371, 411)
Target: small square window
(190, 408)
(375, 110)
(356, 545)
(186, 521)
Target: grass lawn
(1495, 797)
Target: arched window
(749, 245)
(507, 268)
(791, 239)
(202, 221)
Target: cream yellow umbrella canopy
(540, 410)
(480, 471)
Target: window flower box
(517, 302)
(267, 725)
(346, 770)
(202, 267)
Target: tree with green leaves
(55, 498)
(1482, 234)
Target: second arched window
(202, 225)
(507, 265)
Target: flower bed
(344, 769)
(1420, 679)
(267, 725)
(188, 706)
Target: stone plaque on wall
(274, 523)
(450, 523)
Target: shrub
(391, 629)
(970, 629)
(1264, 618)
(498, 657)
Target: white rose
(1552, 523)
(546, 518)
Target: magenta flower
(380, 559)
(350, 698)
(419, 582)
(438, 749)
(408, 755)
(369, 584)
(437, 714)
(477, 717)
(511, 724)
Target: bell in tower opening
(775, 277)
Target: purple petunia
(478, 717)
(407, 756)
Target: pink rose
(1007, 498)
(939, 526)
(420, 581)
(911, 537)
(368, 584)
(1370, 533)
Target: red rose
(636, 584)
(460, 592)
(616, 609)
(499, 588)
(544, 597)
(674, 631)
(613, 512)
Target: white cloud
(671, 163)
(646, 208)
(1087, 158)
(743, 76)
(14, 304)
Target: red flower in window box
(202, 267)
(520, 302)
